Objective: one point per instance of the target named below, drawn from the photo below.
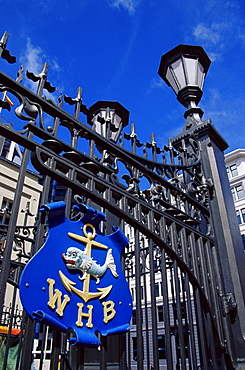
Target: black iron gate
(184, 263)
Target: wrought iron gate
(183, 262)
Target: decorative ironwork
(15, 317)
(4, 53)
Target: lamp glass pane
(115, 131)
(200, 75)
(98, 126)
(191, 70)
(178, 70)
(107, 130)
(172, 82)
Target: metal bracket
(230, 306)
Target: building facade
(235, 166)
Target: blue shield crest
(75, 280)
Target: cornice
(199, 130)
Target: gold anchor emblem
(81, 260)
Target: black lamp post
(108, 119)
(184, 69)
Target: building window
(142, 292)
(134, 348)
(157, 289)
(11, 151)
(6, 148)
(130, 233)
(160, 313)
(232, 171)
(243, 215)
(156, 263)
(132, 293)
(5, 211)
(238, 217)
(134, 317)
(161, 347)
(243, 240)
(38, 351)
(60, 193)
(240, 213)
(183, 310)
(185, 344)
(237, 192)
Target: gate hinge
(230, 306)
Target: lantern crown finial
(184, 69)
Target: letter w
(56, 298)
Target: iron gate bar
(193, 351)
(146, 319)
(212, 344)
(166, 305)
(138, 303)
(179, 316)
(153, 303)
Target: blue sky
(112, 49)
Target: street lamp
(184, 69)
(108, 119)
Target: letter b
(109, 311)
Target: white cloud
(129, 5)
(55, 65)
(210, 34)
(157, 82)
(33, 60)
(215, 57)
(221, 25)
